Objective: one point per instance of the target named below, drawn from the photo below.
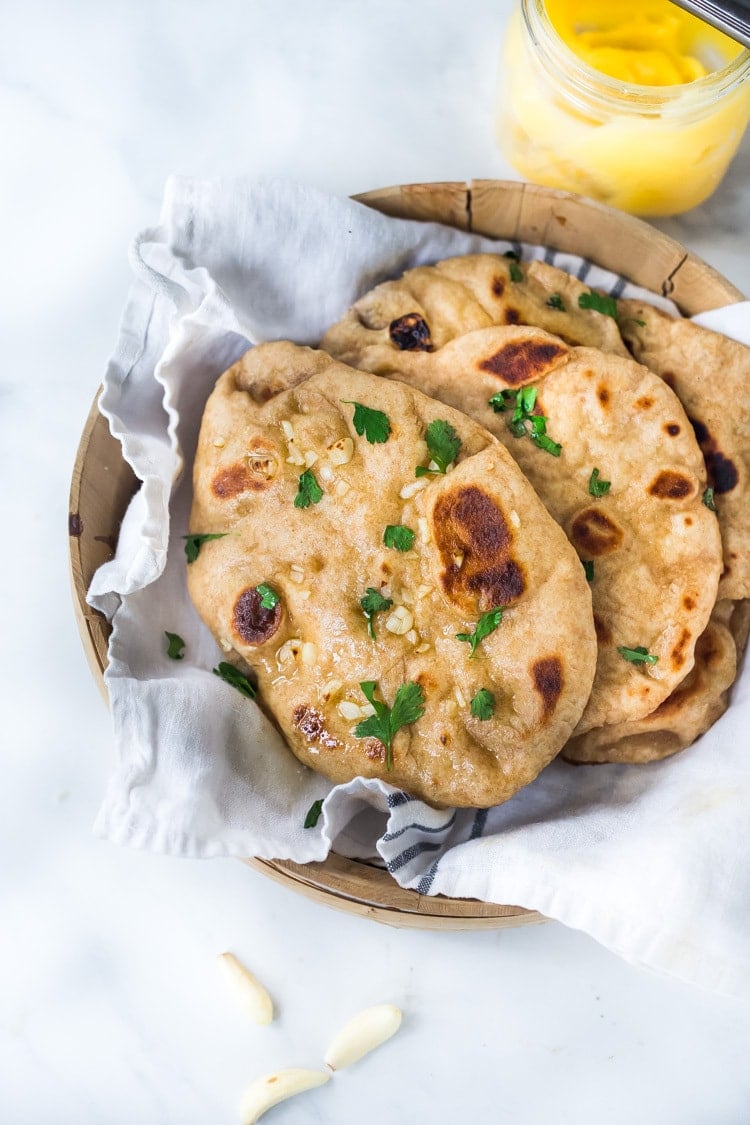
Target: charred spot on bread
(548, 681)
(722, 471)
(311, 725)
(595, 533)
(411, 333)
(670, 485)
(232, 481)
(251, 620)
(469, 525)
(522, 361)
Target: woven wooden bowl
(103, 484)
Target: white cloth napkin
(651, 860)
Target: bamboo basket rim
(102, 483)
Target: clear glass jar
(650, 150)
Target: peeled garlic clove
(363, 1034)
(249, 991)
(267, 1092)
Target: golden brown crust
(480, 534)
(710, 374)
(654, 544)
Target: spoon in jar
(730, 16)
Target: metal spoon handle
(730, 16)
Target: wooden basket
(103, 484)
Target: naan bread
(429, 306)
(654, 544)
(711, 376)
(693, 707)
(481, 539)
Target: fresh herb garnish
(308, 490)
(486, 624)
(640, 323)
(237, 679)
(373, 602)
(599, 303)
(193, 544)
(516, 273)
(408, 706)
(500, 401)
(443, 443)
(269, 599)
(524, 421)
(556, 302)
(313, 813)
(637, 655)
(175, 646)
(597, 486)
(483, 704)
(588, 566)
(708, 499)
(373, 424)
(398, 536)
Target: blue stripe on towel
(396, 799)
(411, 853)
(420, 828)
(424, 884)
(479, 822)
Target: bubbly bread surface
(618, 467)
(498, 694)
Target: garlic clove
(363, 1034)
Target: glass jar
(650, 150)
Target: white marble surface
(111, 1010)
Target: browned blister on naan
(481, 539)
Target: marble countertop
(112, 1008)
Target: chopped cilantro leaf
(588, 566)
(523, 417)
(408, 706)
(500, 401)
(599, 303)
(308, 490)
(373, 602)
(556, 302)
(708, 499)
(516, 273)
(313, 813)
(398, 536)
(237, 679)
(597, 486)
(547, 444)
(638, 655)
(483, 704)
(443, 443)
(373, 424)
(269, 599)
(175, 646)
(486, 624)
(193, 544)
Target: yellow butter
(627, 102)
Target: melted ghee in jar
(643, 125)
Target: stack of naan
(495, 518)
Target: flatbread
(655, 545)
(693, 707)
(429, 306)
(711, 376)
(481, 539)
